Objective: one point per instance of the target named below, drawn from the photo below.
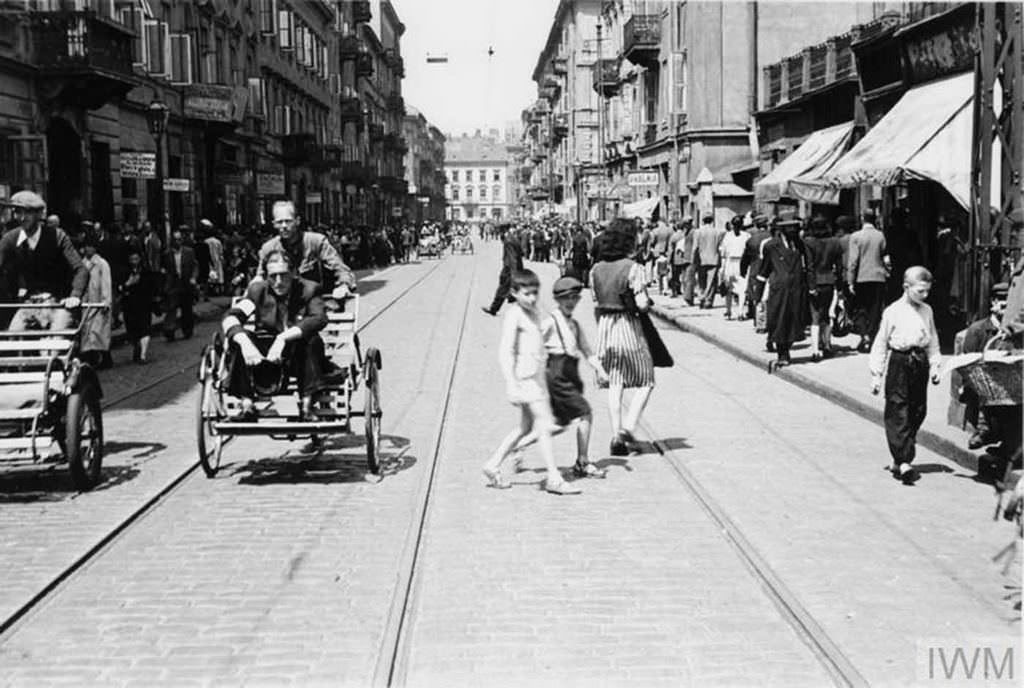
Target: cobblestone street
(289, 569)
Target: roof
(475, 149)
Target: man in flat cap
(39, 265)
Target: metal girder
(998, 116)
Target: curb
(926, 438)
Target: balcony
(395, 62)
(810, 70)
(349, 47)
(650, 133)
(364, 64)
(560, 66)
(396, 143)
(394, 185)
(351, 109)
(641, 39)
(328, 158)
(396, 103)
(606, 77)
(91, 55)
(353, 172)
(560, 125)
(540, 192)
(538, 154)
(361, 13)
(297, 149)
(376, 133)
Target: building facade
(424, 169)
(265, 97)
(479, 188)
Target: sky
(472, 92)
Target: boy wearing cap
(565, 344)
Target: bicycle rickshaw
(278, 415)
(50, 401)
(462, 244)
(430, 246)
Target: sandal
(588, 469)
(495, 479)
(562, 487)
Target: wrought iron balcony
(394, 142)
(349, 47)
(560, 66)
(92, 54)
(396, 103)
(364, 64)
(641, 39)
(395, 62)
(361, 12)
(376, 133)
(351, 109)
(606, 77)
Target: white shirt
(905, 325)
(733, 245)
(571, 342)
(33, 240)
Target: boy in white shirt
(906, 347)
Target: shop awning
(642, 209)
(799, 175)
(728, 190)
(925, 136)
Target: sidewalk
(842, 380)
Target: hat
(29, 200)
(999, 289)
(205, 223)
(564, 286)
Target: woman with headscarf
(784, 268)
(620, 291)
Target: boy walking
(906, 349)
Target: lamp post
(600, 121)
(157, 115)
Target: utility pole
(600, 125)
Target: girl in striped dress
(620, 289)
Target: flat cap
(564, 286)
(999, 289)
(29, 200)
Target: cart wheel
(83, 441)
(371, 409)
(210, 445)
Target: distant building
(424, 168)
(479, 173)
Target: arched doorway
(64, 187)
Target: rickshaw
(278, 415)
(430, 246)
(50, 410)
(462, 243)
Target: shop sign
(269, 184)
(642, 178)
(947, 49)
(314, 197)
(215, 103)
(176, 184)
(138, 165)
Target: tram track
(9, 624)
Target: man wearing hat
(39, 264)
(993, 423)
(750, 265)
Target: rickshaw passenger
(312, 256)
(40, 265)
(289, 314)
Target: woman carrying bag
(627, 341)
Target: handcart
(50, 409)
(280, 416)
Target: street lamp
(157, 115)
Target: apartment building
(424, 169)
(265, 99)
(478, 169)
(676, 87)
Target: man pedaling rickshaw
(312, 256)
(39, 265)
(288, 314)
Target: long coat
(97, 323)
(785, 268)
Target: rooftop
(472, 149)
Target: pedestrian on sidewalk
(523, 361)
(681, 250)
(750, 265)
(825, 256)
(511, 261)
(620, 291)
(566, 345)
(707, 257)
(867, 269)
(139, 295)
(906, 347)
(179, 288)
(96, 322)
(734, 244)
(784, 270)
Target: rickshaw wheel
(83, 433)
(371, 409)
(210, 445)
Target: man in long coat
(784, 268)
(511, 260)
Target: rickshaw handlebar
(42, 306)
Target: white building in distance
(478, 170)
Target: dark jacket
(53, 267)
(315, 260)
(512, 254)
(824, 260)
(184, 279)
(303, 308)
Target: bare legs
(641, 396)
(537, 418)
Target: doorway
(64, 187)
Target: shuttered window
(257, 106)
(158, 47)
(181, 58)
(268, 17)
(286, 30)
(132, 18)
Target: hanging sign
(642, 179)
(177, 184)
(138, 165)
(269, 184)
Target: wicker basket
(995, 382)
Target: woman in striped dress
(620, 340)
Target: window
(268, 17)
(497, 175)
(455, 175)
(469, 193)
(286, 30)
(679, 82)
(181, 58)
(257, 103)
(496, 213)
(455, 193)
(157, 47)
(496, 193)
(483, 192)
(483, 175)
